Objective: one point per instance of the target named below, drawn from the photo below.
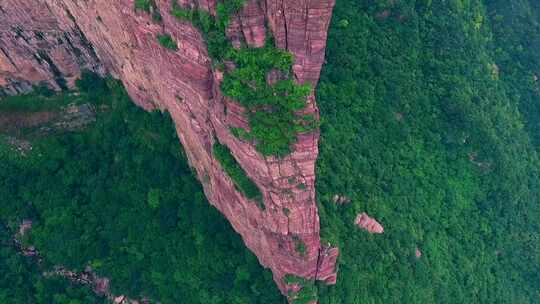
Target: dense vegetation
(22, 283)
(42, 99)
(431, 125)
(307, 293)
(144, 5)
(272, 108)
(242, 182)
(121, 198)
(148, 6)
(166, 41)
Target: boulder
(370, 224)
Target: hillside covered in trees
(430, 123)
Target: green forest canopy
(431, 124)
(121, 198)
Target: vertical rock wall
(111, 34)
(35, 47)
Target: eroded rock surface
(110, 36)
(417, 253)
(35, 47)
(368, 223)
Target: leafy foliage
(121, 198)
(299, 246)
(271, 108)
(226, 9)
(21, 281)
(148, 6)
(144, 5)
(167, 41)
(242, 182)
(308, 292)
(516, 41)
(424, 132)
(216, 40)
(44, 101)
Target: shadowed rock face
(35, 47)
(368, 223)
(109, 36)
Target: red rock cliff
(51, 40)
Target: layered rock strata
(110, 36)
(36, 47)
(368, 223)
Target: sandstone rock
(364, 221)
(21, 146)
(327, 264)
(101, 285)
(35, 47)
(340, 199)
(109, 36)
(252, 20)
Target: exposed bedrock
(51, 40)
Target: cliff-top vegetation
(430, 123)
(271, 108)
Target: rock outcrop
(36, 47)
(370, 224)
(52, 40)
(417, 253)
(99, 285)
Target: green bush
(42, 98)
(181, 13)
(34, 101)
(148, 6)
(144, 5)
(271, 108)
(308, 292)
(299, 245)
(217, 42)
(166, 41)
(227, 9)
(242, 182)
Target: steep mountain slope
(429, 126)
(163, 63)
(120, 197)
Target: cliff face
(52, 40)
(35, 47)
